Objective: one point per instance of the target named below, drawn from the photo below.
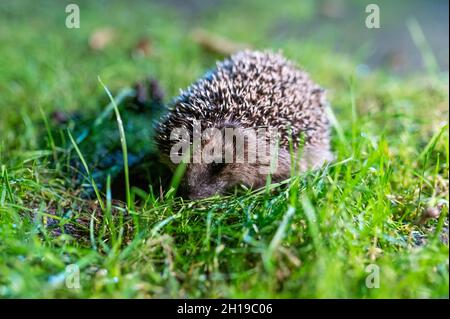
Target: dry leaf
(215, 43)
(100, 38)
(143, 47)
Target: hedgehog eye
(216, 168)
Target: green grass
(312, 237)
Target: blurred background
(339, 24)
(47, 65)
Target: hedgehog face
(206, 180)
(228, 160)
(221, 164)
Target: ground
(354, 229)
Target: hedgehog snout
(203, 180)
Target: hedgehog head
(221, 157)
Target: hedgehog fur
(250, 90)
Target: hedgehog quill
(255, 114)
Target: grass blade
(123, 142)
(86, 167)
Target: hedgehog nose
(195, 196)
(200, 194)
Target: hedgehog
(251, 91)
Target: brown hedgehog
(250, 92)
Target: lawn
(355, 229)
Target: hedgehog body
(250, 90)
